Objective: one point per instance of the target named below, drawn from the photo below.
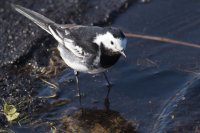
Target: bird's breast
(107, 61)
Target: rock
(97, 121)
(3, 120)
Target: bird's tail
(37, 18)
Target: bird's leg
(78, 88)
(109, 84)
(106, 101)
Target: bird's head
(113, 40)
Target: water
(158, 74)
(157, 84)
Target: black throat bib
(108, 58)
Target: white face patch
(110, 42)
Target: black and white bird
(88, 49)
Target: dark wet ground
(157, 86)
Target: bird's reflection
(107, 100)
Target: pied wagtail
(88, 49)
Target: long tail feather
(37, 18)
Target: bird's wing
(70, 26)
(76, 38)
(83, 37)
(76, 50)
(63, 36)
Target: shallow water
(159, 81)
(157, 84)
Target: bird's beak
(122, 53)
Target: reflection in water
(106, 100)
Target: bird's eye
(112, 42)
